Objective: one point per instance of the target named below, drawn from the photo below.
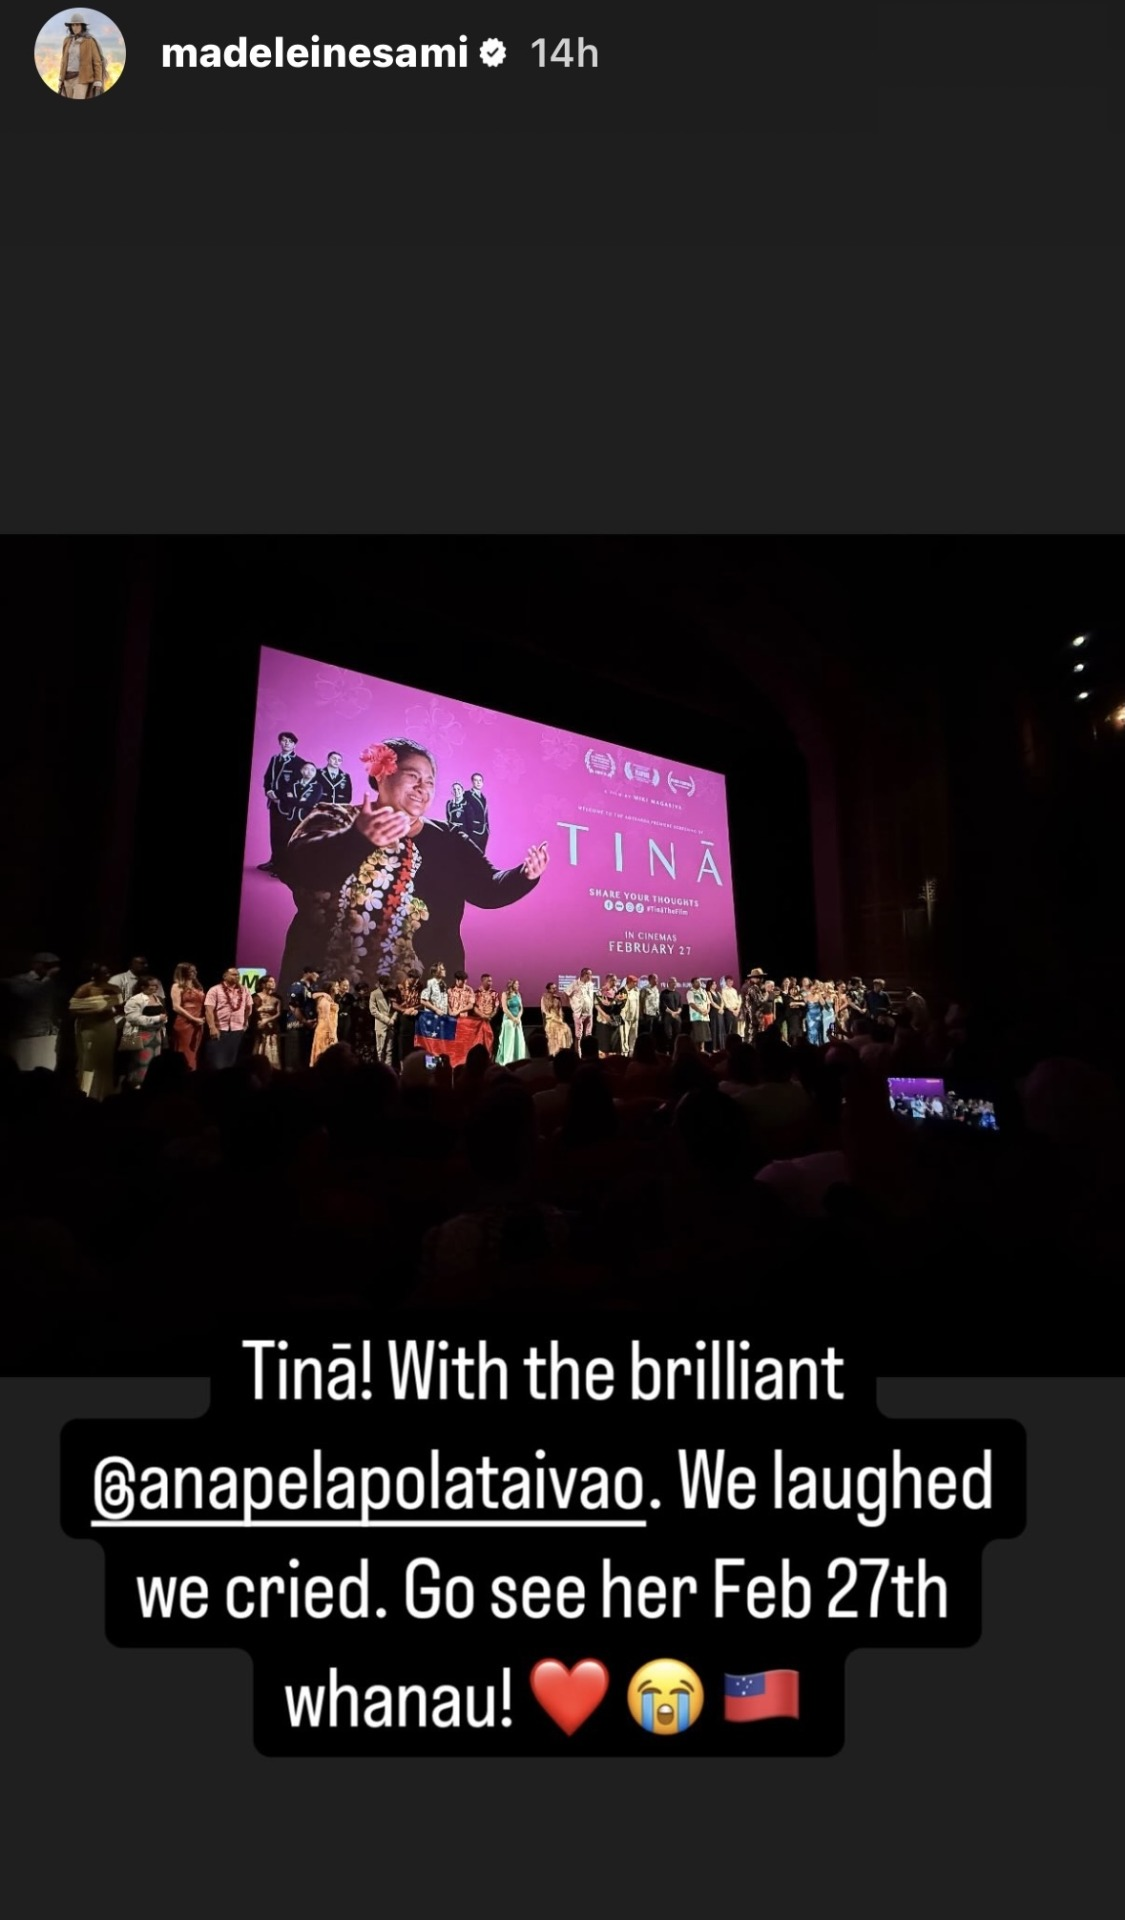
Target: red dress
(187, 1037)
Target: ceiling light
(1080, 642)
(1079, 666)
(1083, 696)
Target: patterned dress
(327, 1016)
(376, 899)
(267, 1044)
(479, 1021)
(461, 1001)
(559, 1035)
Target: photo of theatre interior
(266, 1044)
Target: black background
(817, 269)
(813, 123)
(571, 1433)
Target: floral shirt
(435, 995)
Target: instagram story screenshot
(562, 1082)
(572, 1087)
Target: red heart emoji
(569, 1696)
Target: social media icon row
(664, 1697)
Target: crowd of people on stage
(560, 1161)
(120, 1022)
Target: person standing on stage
(798, 1009)
(280, 775)
(485, 1005)
(335, 784)
(267, 1022)
(731, 1003)
(461, 998)
(455, 809)
(746, 1010)
(608, 1004)
(512, 1045)
(382, 1021)
(630, 1015)
(127, 982)
(33, 1013)
(143, 1034)
(877, 1002)
(650, 1005)
(767, 1012)
(753, 1000)
(95, 1006)
(405, 1004)
(227, 1009)
(699, 1013)
(326, 1031)
(581, 996)
(671, 1009)
(436, 1028)
(715, 1014)
(130, 979)
(300, 1020)
(475, 822)
(828, 1010)
(857, 1003)
(188, 1023)
(345, 1010)
(558, 1033)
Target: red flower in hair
(379, 760)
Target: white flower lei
(365, 894)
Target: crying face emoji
(665, 1697)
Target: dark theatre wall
(885, 712)
(73, 719)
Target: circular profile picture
(80, 54)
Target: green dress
(512, 1044)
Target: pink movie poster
(489, 843)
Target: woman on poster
(376, 860)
